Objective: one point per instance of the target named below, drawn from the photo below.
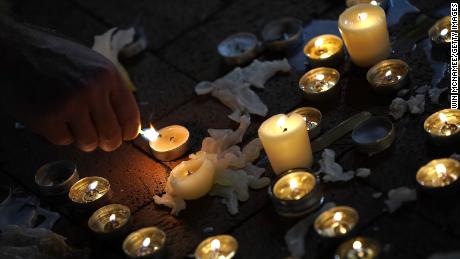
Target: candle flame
(146, 242)
(388, 73)
(319, 77)
(362, 16)
(441, 170)
(444, 32)
(319, 42)
(150, 134)
(92, 186)
(357, 245)
(373, 2)
(443, 117)
(281, 121)
(215, 245)
(337, 216)
(293, 184)
(112, 217)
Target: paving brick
(406, 235)
(60, 16)
(186, 231)
(162, 21)
(196, 52)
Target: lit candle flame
(388, 73)
(441, 170)
(293, 184)
(92, 186)
(444, 32)
(373, 2)
(150, 134)
(357, 245)
(362, 16)
(281, 122)
(337, 216)
(319, 77)
(215, 245)
(112, 218)
(146, 242)
(443, 118)
(319, 42)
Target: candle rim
(80, 186)
(305, 80)
(295, 171)
(327, 38)
(344, 16)
(133, 241)
(431, 120)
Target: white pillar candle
(364, 31)
(286, 142)
(192, 179)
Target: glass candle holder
(238, 48)
(320, 84)
(443, 127)
(56, 178)
(382, 3)
(439, 175)
(283, 34)
(295, 193)
(168, 143)
(358, 248)
(90, 192)
(221, 246)
(388, 76)
(312, 118)
(336, 222)
(147, 243)
(440, 32)
(111, 221)
(324, 51)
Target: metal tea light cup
(239, 48)
(283, 34)
(439, 177)
(440, 32)
(320, 84)
(373, 135)
(443, 127)
(220, 246)
(388, 76)
(325, 51)
(111, 221)
(56, 178)
(145, 243)
(336, 222)
(312, 117)
(298, 200)
(86, 198)
(358, 248)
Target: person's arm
(62, 90)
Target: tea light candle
(388, 76)
(296, 193)
(358, 248)
(439, 173)
(286, 142)
(192, 179)
(110, 221)
(238, 48)
(221, 246)
(283, 34)
(56, 178)
(312, 118)
(324, 50)
(381, 3)
(320, 84)
(440, 32)
(145, 243)
(364, 31)
(90, 192)
(336, 222)
(168, 143)
(444, 127)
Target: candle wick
(188, 172)
(285, 129)
(172, 139)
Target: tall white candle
(286, 142)
(364, 31)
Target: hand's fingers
(108, 129)
(57, 133)
(127, 112)
(84, 132)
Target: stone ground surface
(182, 40)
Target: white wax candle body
(364, 31)
(286, 142)
(170, 138)
(192, 179)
